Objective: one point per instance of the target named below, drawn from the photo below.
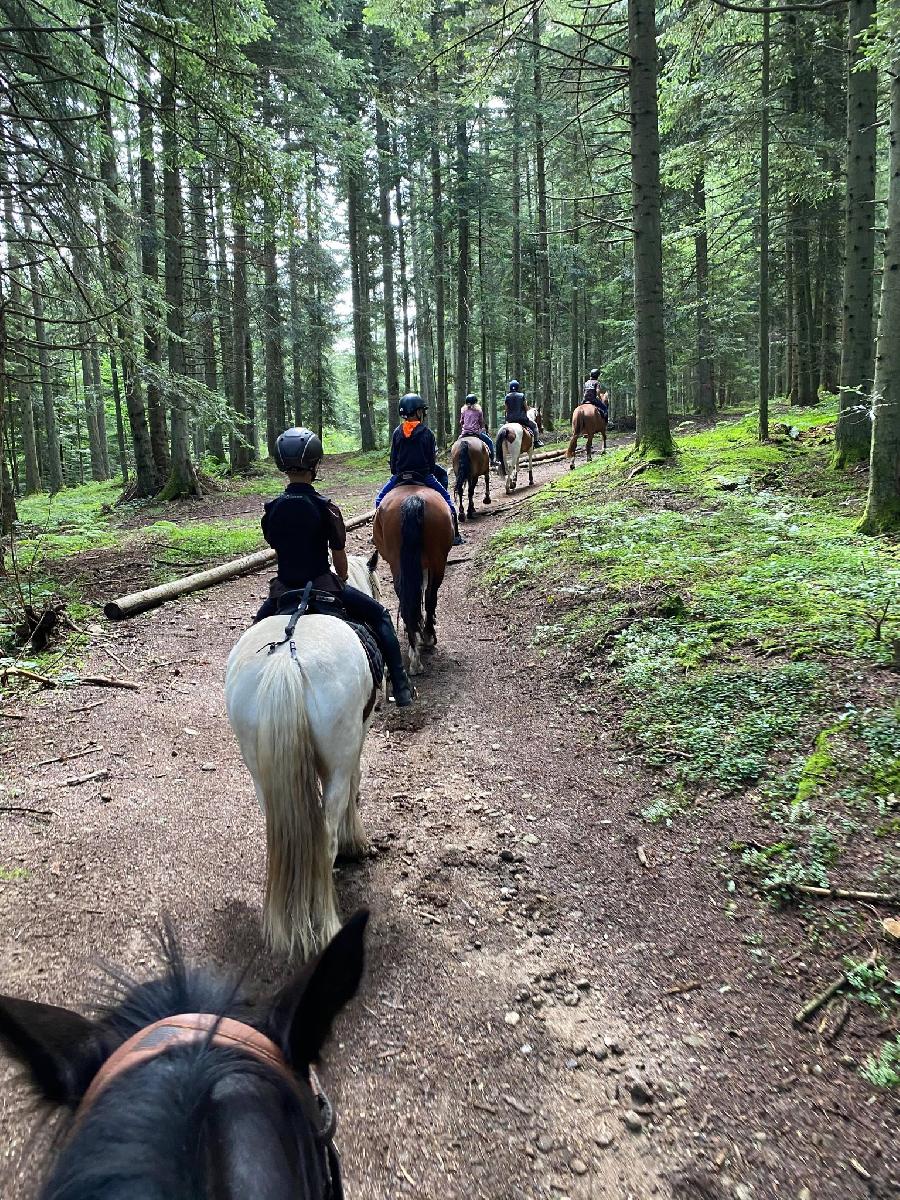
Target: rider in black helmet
(595, 393)
(414, 456)
(301, 525)
(517, 410)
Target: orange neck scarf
(409, 426)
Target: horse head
(181, 1088)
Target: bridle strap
(186, 1029)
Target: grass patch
(731, 596)
(200, 542)
(12, 874)
(883, 1069)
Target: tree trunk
(764, 236)
(8, 513)
(121, 444)
(386, 232)
(360, 294)
(100, 409)
(462, 267)
(423, 329)
(273, 337)
(654, 438)
(296, 345)
(574, 357)
(803, 319)
(240, 449)
(22, 380)
(206, 328)
(883, 504)
(224, 315)
(542, 309)
(120, 252)
(516, 349)
(51, 431)
(440, 269)
(852, 435)
(404, 277)
(156, 411)
(182, 479)
(705, 398)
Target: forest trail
(553, 1005)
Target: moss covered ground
(727, 601)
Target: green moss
(819, 767)
(883, 1069)
(12, 874)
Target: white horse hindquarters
(297, 722)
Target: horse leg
(603, 435)
(530, 471)
(574, 449)
(473, 482)
(352, 842)
(487, 486)
(429, 637)
(587, 449)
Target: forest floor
(657, 704)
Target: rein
(206, 1029)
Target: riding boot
(393, 660)
(458, 539)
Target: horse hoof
(471, 513)
(486, 500)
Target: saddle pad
(326, 604)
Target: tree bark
(404, 276)
(574, 343)
(203, 290)
(156, 411)
(273, 337)
(542, 308)
(121, 444)
(54, 459)
(764, 235)
(705, 397)
(422, 321)
(120, 252)
(852, 434)
(224, 315)
(241, 445)
(440, 270)
(654, 438)
(386, 232)
(182, 478)
(461, 379)
(360, 293)
(883, 503)
(296, 345)
(516, 349)
(22, 381)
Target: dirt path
(521, 1032)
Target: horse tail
(576, 433)
(300, 910)
(501, 442)
(411, 582)
(464, 469)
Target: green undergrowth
(738, 611)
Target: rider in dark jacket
(414, 456)
(517, 409)
(594, 392)
(301, 525)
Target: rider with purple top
(414, 456)
(472, 423)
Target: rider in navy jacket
(414, 456)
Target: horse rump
(577, 423)
(410, 582)
(463, 469)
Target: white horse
(301, 720)
(513, 440)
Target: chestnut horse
(513, 440)
(471, 460)
(414, 533)
(587, 420)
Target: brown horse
(413, 532)
(471, 459)
(587, 420)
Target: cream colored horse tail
(300, 909)
(576, 433)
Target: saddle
(309, 601)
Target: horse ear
(372, 562)
(305, 1009)
(59, 1049)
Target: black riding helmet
(514, 385)
(410, 405)
(595, 374)
(298, 449)
(471, 398)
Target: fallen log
(138, 602)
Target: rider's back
(413, 451)
(516, 409)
